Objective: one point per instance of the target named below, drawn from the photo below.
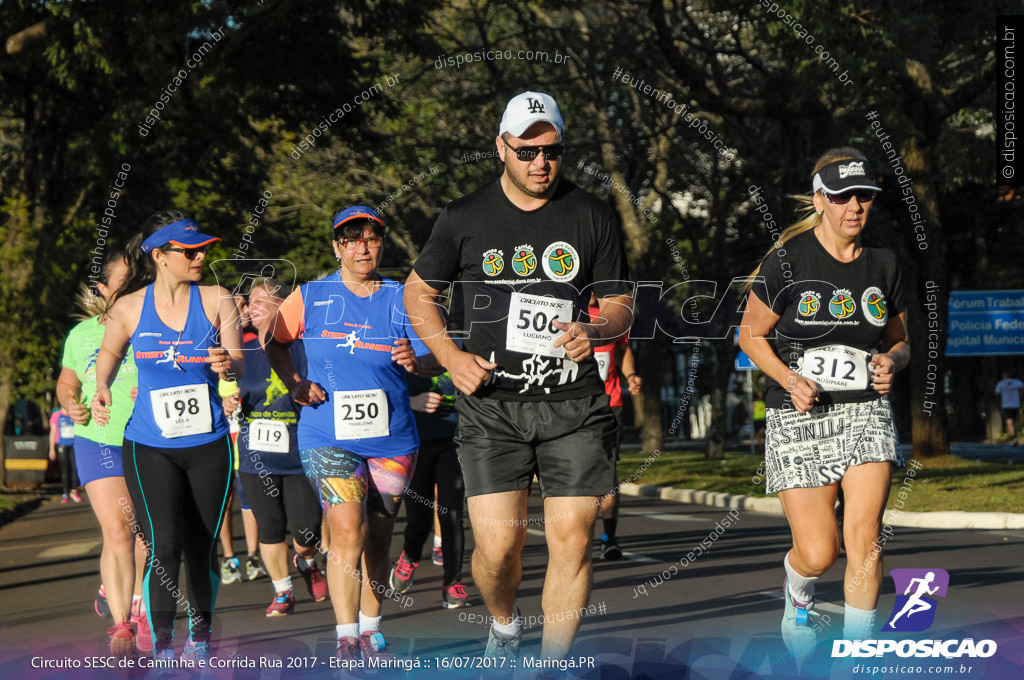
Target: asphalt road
(717, 616)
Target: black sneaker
(401, 574)
(254, 568)
(100, 605)
(455, 596)
(610, 549)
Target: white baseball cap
(528, 108)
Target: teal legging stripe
(149, 546)
(214, 572)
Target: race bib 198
(268, 436)
(836, 368)
(531, 328)
(361, 414)
(183, 410)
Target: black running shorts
(569, 444)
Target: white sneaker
(798, 621)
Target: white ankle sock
(801, 588)
(858, 623)
(437, 541)
(283, 585)
(509, 629)
(345, 630)
(368, 623)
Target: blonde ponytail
(91, 303)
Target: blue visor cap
(183, 233)
(355, 212)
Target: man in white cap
(530, 248)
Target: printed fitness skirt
(806, 450)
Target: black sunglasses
(189, 253)
(527, 153)
(863, 196)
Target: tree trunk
(6, 379)
(719, 390)
(927, 300)
(653, 359)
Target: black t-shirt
(822, 301)
(515, 265)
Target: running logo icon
(914, 610)
(873, 304)
(524, 261)
(561, 261)
(842, 305)
(493, 262)
(809, 303)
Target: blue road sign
(985, 322)
(743, 362)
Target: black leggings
(437, 463)
(180, 497)
(279, 499)
(68, 471)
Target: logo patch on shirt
(873, 304)
(524, 261)
(842, 305)
(561, 261)
(494, 262)
(810, 301)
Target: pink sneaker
(316, 583)
(143, 634)
(122, 640)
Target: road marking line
(635, 557)
(643, 559)
(70, 549)
(666, 517)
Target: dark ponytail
(141, 266)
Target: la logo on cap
(855, 169)
(535, 106)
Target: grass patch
(944, 483)
(14, 506)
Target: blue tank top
(348, 342)
(178, 405)
(65, 430)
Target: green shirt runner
(80, 350)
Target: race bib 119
(268, 436)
